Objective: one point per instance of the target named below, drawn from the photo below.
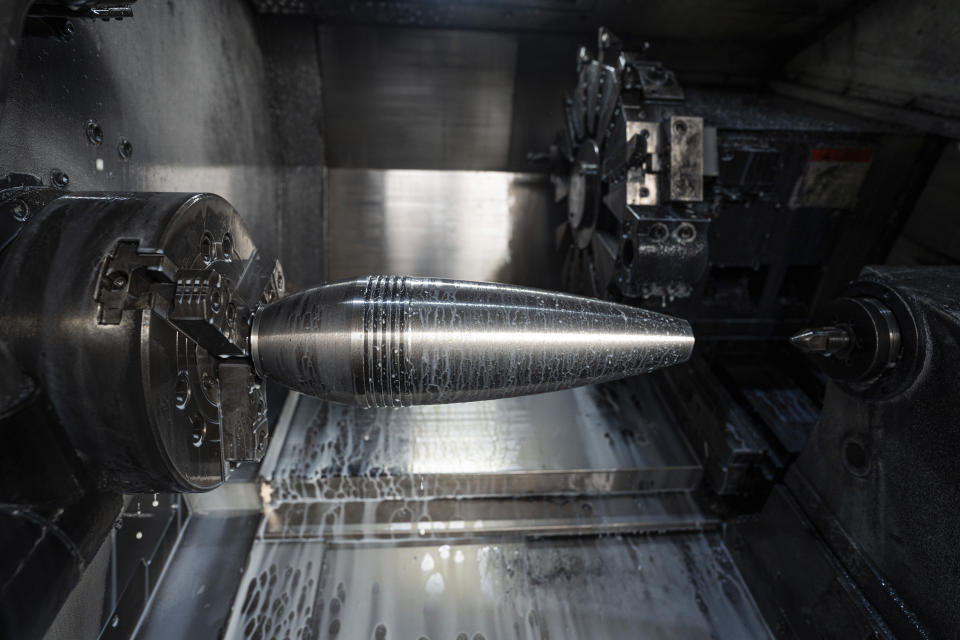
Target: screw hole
(856, 457)
(118, 280)
(124, 149)
(181, 392)
(59, 179)
(227, 245)
(686, 232)
(658, 232)
(216, 300)
(199, 430)
(206, 247)
(94, 133)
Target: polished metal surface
(386, 341)
(610, 439)
(487, 518)
(656, 587)
(823, 340)
(467, 225)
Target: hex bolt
(59, 179)
(118, 280)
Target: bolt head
(59, 179)
(118, 280)
(20, 210)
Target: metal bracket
(685, 180)
(243, 415)
(642, 178)
(653, 79)
(126, 277)
(207, 308)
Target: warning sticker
(832, 178)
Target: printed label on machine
(832, 178)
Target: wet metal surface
(516, 518)
(607, 439)
(484, 518)
(677, 586)
(389, 341)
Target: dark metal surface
(726, 438)
(440, 100)
(699, 21)
(387, 341)
(799, 585)
(193, 601)
(11, 29)
(47, 548)
(878, 473)
(447, 98)
(894, 75)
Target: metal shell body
(397, 341)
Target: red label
(841, 155)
